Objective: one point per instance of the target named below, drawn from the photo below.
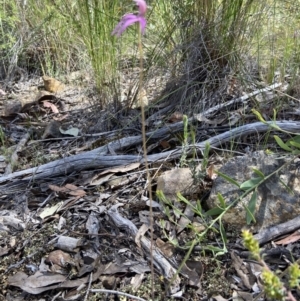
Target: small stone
(177, 180)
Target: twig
(212, 110)
(56, 296)
(268, 234)
(89, 287)
(15, 157)
(116, 293)
(161, 263)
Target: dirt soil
(65, 237)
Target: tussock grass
(207, 45)
(41, 40)
(212, 39)
(93, 21)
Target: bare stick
(92, 159)
(116, 293)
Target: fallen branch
(268, 234)
(98, 158)
(15, 156)
(161, 263)
(208, 113)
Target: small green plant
(189, 137)
(199, 174)
(2, 137)
(274, 287)
(250, 186)
(185, 138)
(198, 236)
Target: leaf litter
(91, 229)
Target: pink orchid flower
(129, 19)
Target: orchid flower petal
(129, 19)
(128, 23)
(142, 6)
(124, 23)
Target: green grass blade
(282, 144)
(259, 173)
(227, 178)
(250, 209)
(250, 183)
(214, 211)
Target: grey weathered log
(99, 158)
(159, 261)
(271, 233)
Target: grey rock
(275, 202)
(177, 180)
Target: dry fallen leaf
(289, 239)
(143, 229)
(60, 118)
(123, 168)
(53, 107)
(71, 132)
(69, 189)
(165, 247)
(52, 85)
(99, 180)
(176, 117)
(165, 144)
(211, 172)
(37, 283)
(59, 258)
(49, 211)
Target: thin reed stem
(149, 180)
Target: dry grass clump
(211, 52)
